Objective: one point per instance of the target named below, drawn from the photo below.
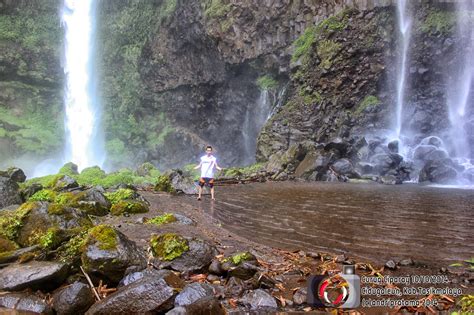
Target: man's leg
(212, 193)
(200, 191)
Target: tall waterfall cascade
(82, 114)
(404, 25)
(460, 88)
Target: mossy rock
(120, 194)
(44, 195)
(163, 219)
(6, 245)
(69, 169)
(70, 251)
(168, 246)
(240, 257)
(129, 206)
(12, 221)
(103, 236)
(43, 220)
(163, 183)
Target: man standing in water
(207, 165)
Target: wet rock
(406, 262)
(235, 287)
(168, 275)
(391, 265)
(468, 174)
(33, 275)
(384, 162)
(11, 256)
(97, 201)
(183, 219)
(338, 145)
(193, 292)
(422, 151)
(300, 296)
(344, 167)
(30, 190)
(182, 184)
(196, 258)
(389, 180)
(65, 182)
(365, 168)
(438, 171)
(24, 302)
(44, 216)
(146, 296)
(206, 305)
(393, 146)
(9, 192)
(432, 140)
(216, 268)
(259, 300)
(241, 265)
(73, 299)
(108, 253)
(15, 174)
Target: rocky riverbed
(74, 248)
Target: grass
(437, 21)
(266, 82)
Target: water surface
(366, 221)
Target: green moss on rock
(303, 44)
(52, 238)
(119, 195)
(266, 82)
(168, 246)
(71, 250)
(163, 183)
(6, 245)
(438, 21)
(367, 102)
(129, 206)
(163, 219)
(44, 195)
(12, 221)
(104, 236)
(238, 258)
(327, 50)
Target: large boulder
(94, 202)
(439, 171)
(108, 253)
(9, 192)
(149, 295)
(24, 303)
(73, 299)
(44, 216)
(242, 265)
(65, 182)
(181, 183)
(168, 275)
(205, 305)
(187, 255)
(345, 167)
(34, 275)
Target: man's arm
(198, 166)
(218, 167)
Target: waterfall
(83, 139)
(255, 119)
(459, 85)
(404, 25)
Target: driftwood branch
(91, 284)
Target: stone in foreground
(33, 275)
(73, 299)
(146, 296)
(24, 303)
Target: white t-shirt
(208, 164)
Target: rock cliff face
(30, 79)
(177, 75)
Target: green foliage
(266, 82)
(104, 236)
(310, 98)
(7, 245)
(163, 183)
(43, 195)
(467, 304)
(240, 257)
(216, 8)
(71, 250)
(367, 102)
(51, 239)
(119, 195)
(335, 23)
(303, 44)
(69, 169)
(12, 221)
(189, 171)
(168, 246)
(163, 219)
(128, 206)
(327, 50)
(438, 21)
(243, 171)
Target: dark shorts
(206, 181)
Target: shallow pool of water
(366, 221)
